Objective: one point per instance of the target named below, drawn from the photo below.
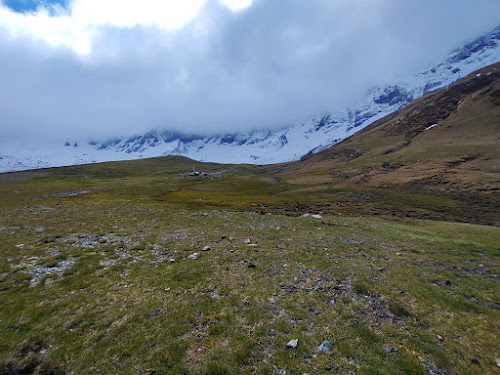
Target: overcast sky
(107, 68)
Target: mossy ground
(98, 281)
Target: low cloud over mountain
(80, 68)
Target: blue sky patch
(27, 6)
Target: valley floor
(96, 278)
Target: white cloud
(237, 5)
(206, 66)
(77, 26)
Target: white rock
(194, 256)
(317, 216)
(207, 248)
(292, 344)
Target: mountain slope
(262, 146)
(446, 142)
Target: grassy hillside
(448, 141)
(96, 275)
(439, 155)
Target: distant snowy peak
(481, 45)
(472, 56)
(263, 146)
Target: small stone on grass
(325, 346)
(388, 348)
(292, 344)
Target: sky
(73, 69)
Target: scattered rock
(292, 344)
(194, 256)
(252, 265)
(441, 282)
(325, 346)
(389, 348)
(148, 372)
(440, 338)
(349, 241)
(333, 302)
(38, 272)
(431, 369)
(306, 215)
(171, 260)
(272, 300)
(207, 248)
(156, 312)
(252, 245)
(497, 361)
(474, 361)
(70, 193)
(245, 302)
(317, 216)
(247, 240)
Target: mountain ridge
(263, 146)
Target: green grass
(123, 307)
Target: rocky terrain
(116, 283)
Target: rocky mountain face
(264, 146)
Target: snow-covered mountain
(262, 146)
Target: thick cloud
(271, 64)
